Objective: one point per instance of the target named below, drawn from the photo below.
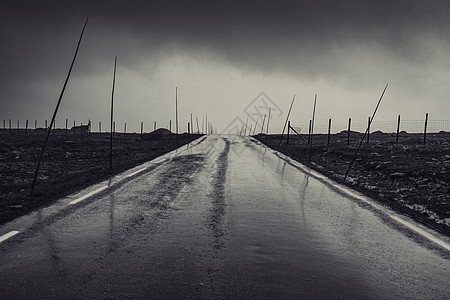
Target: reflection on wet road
(225, 218)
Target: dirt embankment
(409, 176)
(71, 162)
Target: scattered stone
(396, 175)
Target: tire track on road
(218, 211)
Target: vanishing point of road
(222, 218)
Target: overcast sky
(221, 55)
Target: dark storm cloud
(306, 38)
(258, 34)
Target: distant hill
(158, 133)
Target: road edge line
(8, 235)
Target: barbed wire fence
(409, 126)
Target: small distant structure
(82, 129)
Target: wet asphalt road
(224, 218)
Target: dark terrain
(71, 162)
(410, 176)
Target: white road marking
(134, 173)
(8, 235)
(88, 195)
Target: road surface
(222, 218)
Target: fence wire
(410, 126)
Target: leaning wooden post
(189, 129)
(329, 131)
(112, 124)
(262, 126)
(360, 143)
(398, 128)
(348, 131)
(287, 118)
(33, 184)
(368, 130)
(425, 129)
(142, 129)
(289, 127)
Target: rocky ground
(71, 162)
(410, 176)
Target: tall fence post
(26, 127)
(398, 129)
(309, 132)
(312, 130)
(4, 124)
(198, 128)
(189, 129)
(425, 129)
(67, 121)
(18, 125)
(348, 131)
(154, 126)
(74, 127)
(368, 130)
(268, 119)
(99, 127)
(329, 131)
(112, 123)
(10, 126)
(262, 125)
(35, 124)
(125, 129)
(142, 129)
